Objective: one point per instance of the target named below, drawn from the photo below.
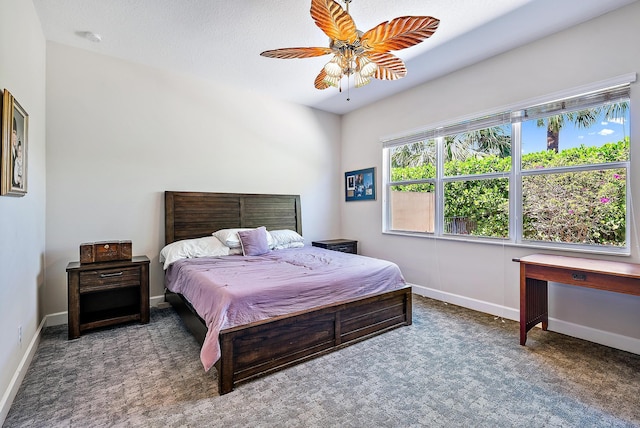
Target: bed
(261, 347)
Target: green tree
(416, 154)
(581, 119)
(479, 143)
(459, 147)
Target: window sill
(609, 251)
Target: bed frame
(263, 347)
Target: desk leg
(533, 304)
(523, 305)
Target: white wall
(22, 73)
(120, 134)
(483, 276)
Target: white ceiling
(222, 40)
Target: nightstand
(343, 245)
(107, 293)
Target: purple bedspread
(234, 290)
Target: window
(552, 174)
(413, 167)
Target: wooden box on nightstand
(102, 294)
(343, 245)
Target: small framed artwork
(15, 131)
(360, 185)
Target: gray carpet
(452, 368)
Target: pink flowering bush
(579, 207)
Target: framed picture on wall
(15, 131)
(360, 185)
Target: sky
(534, 138)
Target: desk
(537, 269)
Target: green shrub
(579, 207)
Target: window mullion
(515, 184)
(575, 168)
(386, 196)
(439, 214)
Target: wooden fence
(413, 211)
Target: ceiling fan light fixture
(360, 80)
(364, 55)
(367, 67)
(334, 67)
(332, 80)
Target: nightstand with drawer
(107, 293)
(343, 245)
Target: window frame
(515, 176)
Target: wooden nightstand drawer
(345, 248)
(342, 245)
(105, 279)
(107, 293)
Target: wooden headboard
(195, 214)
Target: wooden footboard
(267, 346)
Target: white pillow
(208, 246)
(286, 238)
(229, 237)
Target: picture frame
(15, 133)
(360, 185)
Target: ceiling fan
(363, 55)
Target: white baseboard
(466, 302)
(156, 300)
(18, 376)
(613, 340)
(602, 337)
(60, 318)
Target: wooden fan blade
(333, 20)
(288, 53)
(319, 83)
(399, 33)
(390, 67)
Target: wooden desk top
(630, 270)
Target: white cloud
(606, 132)
(619, 120)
